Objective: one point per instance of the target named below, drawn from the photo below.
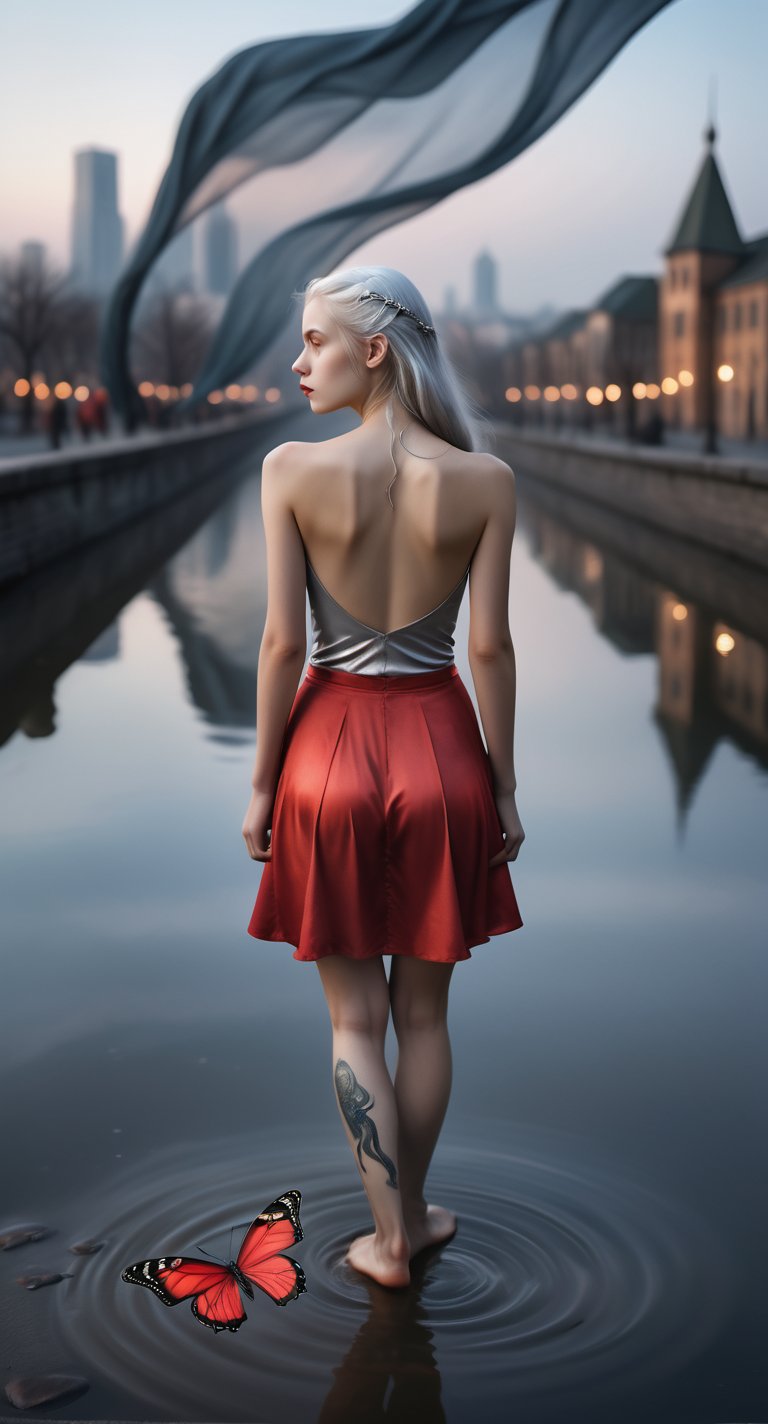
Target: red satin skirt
(384, 822)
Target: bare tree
(72, 349)
(169, 343)
(32, 305)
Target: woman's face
(324, 365)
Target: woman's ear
(378, 345)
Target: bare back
(389, 566)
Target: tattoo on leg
(356, 1103)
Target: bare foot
(426, 1229)
(387, 1267)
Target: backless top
(341, 641)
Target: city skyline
(617, 214)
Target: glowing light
(215, 397)
(186, 389)
(669, 385)
(513, 393)
(594, 395)
(42, 390)
(532, 392)
(62, 389)
(652, 391)
(146, 389)
(250, 392)
(21, 387)
(685, 378)
(568, 391)
(162, 392)
(552, 393)
(272, 394)
(679, 612)
(638, 390)
(725, 643)
(725, 372)
(233, 392)
(612, 392)
(81, 393)
(593, 566)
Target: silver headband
(390, 302)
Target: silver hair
(418, 371)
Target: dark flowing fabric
(349, 133)
(384, 822)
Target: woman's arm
(490, 648)
(284, 641)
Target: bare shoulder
(283, 466)
(286, 457)
(496, 470)
(497, 479)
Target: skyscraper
(485, 302)
(220, 251)
(97, 228)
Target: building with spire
(713, 313)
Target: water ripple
(561, 1272)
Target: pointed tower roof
(707, 223)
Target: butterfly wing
(275, 1228)
(217, 1300)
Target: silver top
(341, 641)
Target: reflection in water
(64, 611)
(562, 1271)
(703, 615)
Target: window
(737, 316)
(753, 318)
(678, 328)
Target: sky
(595, 197)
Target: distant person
(652, 432)
(101, 410)
(57, 421)
(85, 416)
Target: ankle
(397, 1247)
(415, 1209)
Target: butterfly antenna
(206, 1253)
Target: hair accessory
(390, 302)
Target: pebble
(18, 1235)
(46, 1278)
(28, 1391)
(88, 1247)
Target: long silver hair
(417, 370)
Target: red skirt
(384, 822)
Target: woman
(384, 824)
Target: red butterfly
(215, 1286)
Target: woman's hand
(258, 820)
(511, 824)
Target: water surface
(166, 1076)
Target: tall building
(97, 228)
(713, 312)
(219, 251)
(174, 269)
(485, 301)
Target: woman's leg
(419, 1001)
(358, 1001)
